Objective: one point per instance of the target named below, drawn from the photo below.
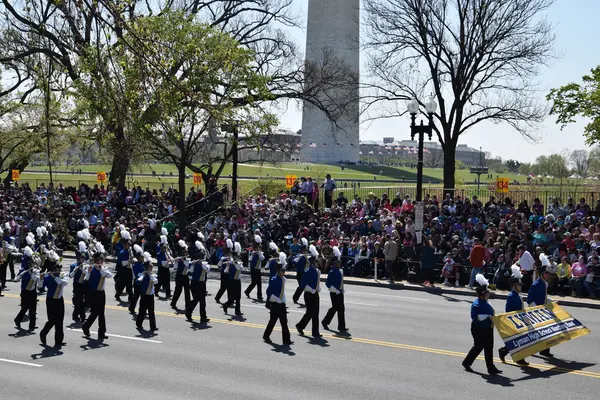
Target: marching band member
(163, 257)
(147, 281)
(482, 328)
(55, 305)
(538, 292)
(29, 280)
(198, 273)
(513, 303)
(224, 263)
(124, 275)
(234, 286)
(182, 281)
(138, 269)
(255, 259)
(311, 281)
(96, 276)
(335, 283)
(276, 305)
(274, 260)
(301, 263)
(77, 273)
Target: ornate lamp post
(413, 109)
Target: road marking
(544, 367)
(121, 336)
(351, 302)
(389, 295)
(20, 363)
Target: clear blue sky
(577, 35)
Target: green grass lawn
(432, 177)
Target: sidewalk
(439, 290)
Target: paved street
(404, 344)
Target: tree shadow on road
(47, 352)
(559, 367)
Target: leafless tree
(433, 158)
(478, 58)
(580, 160)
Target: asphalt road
(404, 344)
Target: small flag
(312, 145)
(371, 152)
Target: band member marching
(234, 286)
(124, 275)
(513, 303)
(335, 283)
(29, 281)
(163, 257)
(311, 281)
(272, 264)
(182, 281)
(96, 276)
(55, 305)
(255, 259)
(482, 328)
(538, 292)
(276, 305)
(301, 264)
(224, 263)
(138, 269)
(147, 281)
(198, 273)
(77, 273)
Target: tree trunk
(449, 166)
(15, 164)
(120, 163)
(181, 213)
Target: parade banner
(15, 174)
(101, 177)
(534, 329)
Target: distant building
(387, 151)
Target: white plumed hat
(200, 236)
(163, 239)
(137, 249)
(282, 258)
(313, 251)
(30, 240)
(163, 231)
(229, 244)
(27, 251)
(182, 244)
(304, 242)
(273, 246)
(147, 257)
(257, 239)
(199, 245)
(82, 247)
(336, 252)
(238, 247)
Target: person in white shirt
(526, 263)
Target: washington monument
(333, 27)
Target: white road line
(359, 304)
(121, 337)
(251, 305)
(20, 363)
(388, 295)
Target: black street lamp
(413, 109)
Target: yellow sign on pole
(16, 174)
(502, 185)
(290, 180)
(197, 179)
(101, 177)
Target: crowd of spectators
(375, 236)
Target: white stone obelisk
(334, 29)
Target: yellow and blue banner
(529, 331)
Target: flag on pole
(312, 145)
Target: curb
(566, 301)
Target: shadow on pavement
(21, 333)
(239, 318)
(93, 344)
(146, 334)
(559, 367)
(496, 379)
(282, 348)
(199, 326)
(47, 352)
(318, 342)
